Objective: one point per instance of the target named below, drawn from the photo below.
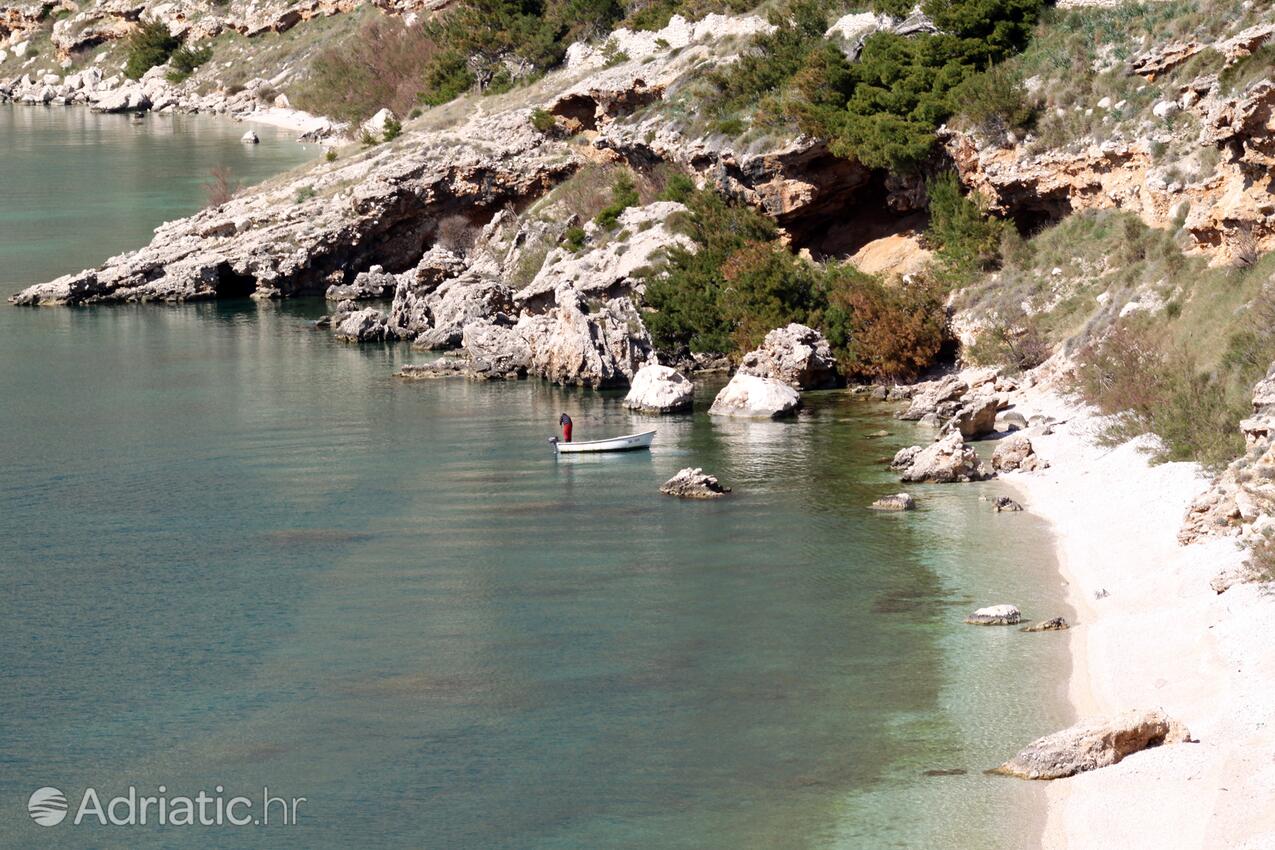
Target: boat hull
(627, 443)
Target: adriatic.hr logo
(48, 806)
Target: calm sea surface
(236, 553)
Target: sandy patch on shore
(1160, 637)
(288, 119)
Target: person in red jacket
(565, 422)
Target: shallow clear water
(77, 187)
(236, 552)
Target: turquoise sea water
(237, 553)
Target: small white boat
(627, 443)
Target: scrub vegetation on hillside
(741, 281)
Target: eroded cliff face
(80, 26)
(383, 206)
(1226, 213)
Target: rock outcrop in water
(751, 397)
(660, 389)
(694, 483)
(995, 615)
(947, 461)
(896, 502)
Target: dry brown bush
(221, 186)
(382, 64)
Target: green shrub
(994, 102)
(765, 287)
(150, 45)
(330, 155)
(185, 61)
(303, 194)
(687, 293)
(623, 195)
(741, 282)
(884, 108)
(542, 120)
(772, 59)
(574, 237)
(393, 129)
(965, 239)
(1019, 347)
(679, 187)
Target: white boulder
(660, 389)
(754, 397)
(995, 615)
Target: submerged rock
(694, 483)
(995, 615)
(797, 355)
(1004, 504)
(1092, 744)
(443, 367)
(660, 389)
(896, 502)
(1057, 624)
(757, 398)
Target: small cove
(237, 551)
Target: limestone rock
(896, 502)
(946, 461)
(756, 398)
(371, 284)
(694, 483)
(460, 301)
(797, 355)
(378, 123)
(1011, 420)
(977, 418)
(995, 615)
(1093, 744)
(496, 349)
(1004, 504)
(1016, 452)
(660, 389)
(376, 207)
(610, 263)
(603, 347)
(369, 325)
(932, 396)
